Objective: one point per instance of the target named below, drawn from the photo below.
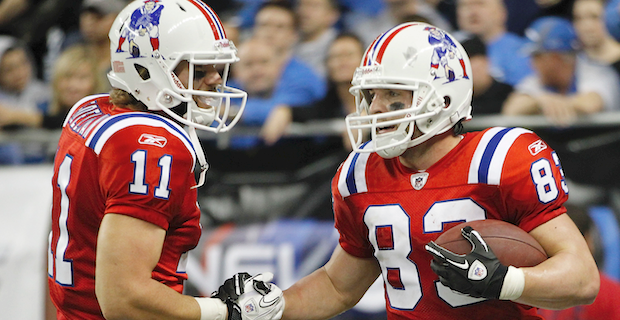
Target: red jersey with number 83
(388, 211)
(113, 160)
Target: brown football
(511, 244)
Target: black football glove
(478, 273)
(230, 291)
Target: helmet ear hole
(142, 71)
(446, 101)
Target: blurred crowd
(557, 58)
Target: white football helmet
(420, 58)
(149, 38)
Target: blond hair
(122, 98)
(69, 61)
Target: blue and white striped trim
(488, 160)
(352, 177)
(81, 102)
(110, 126)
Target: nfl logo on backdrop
(418, 180)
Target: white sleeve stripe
(488, 160)
(79, 103)
(497, 162)
(360, 172)
(342, 179)
(475, 161)
(352, 178)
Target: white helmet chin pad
(202, 116)
(420, 58)
(383, 145)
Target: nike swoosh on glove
(478, 273)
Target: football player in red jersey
(125, 212)
(394, 195)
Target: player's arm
(569, 277)
(332, 289)
(128, 250)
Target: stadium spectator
(258, 73)
(487, 19)
(343, 58)
(96, 18)
(19, 90)
(277, 24)
(596, 42)
(606, 304)
(563, 85)
(290, 82)
(489, 94)
(73, 78)
(317, 20)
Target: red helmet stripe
(369, 50)
(214, 20)
(388, 39)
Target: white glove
(261, 300)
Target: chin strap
(204, 166)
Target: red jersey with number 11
(113, 160)
(385, 210)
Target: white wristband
(514, 282)
(212, 309)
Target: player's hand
(478, 274)
(230, 291)
(252, 297)
(262, 299)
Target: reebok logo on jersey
(152, 139)
(536, 147)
